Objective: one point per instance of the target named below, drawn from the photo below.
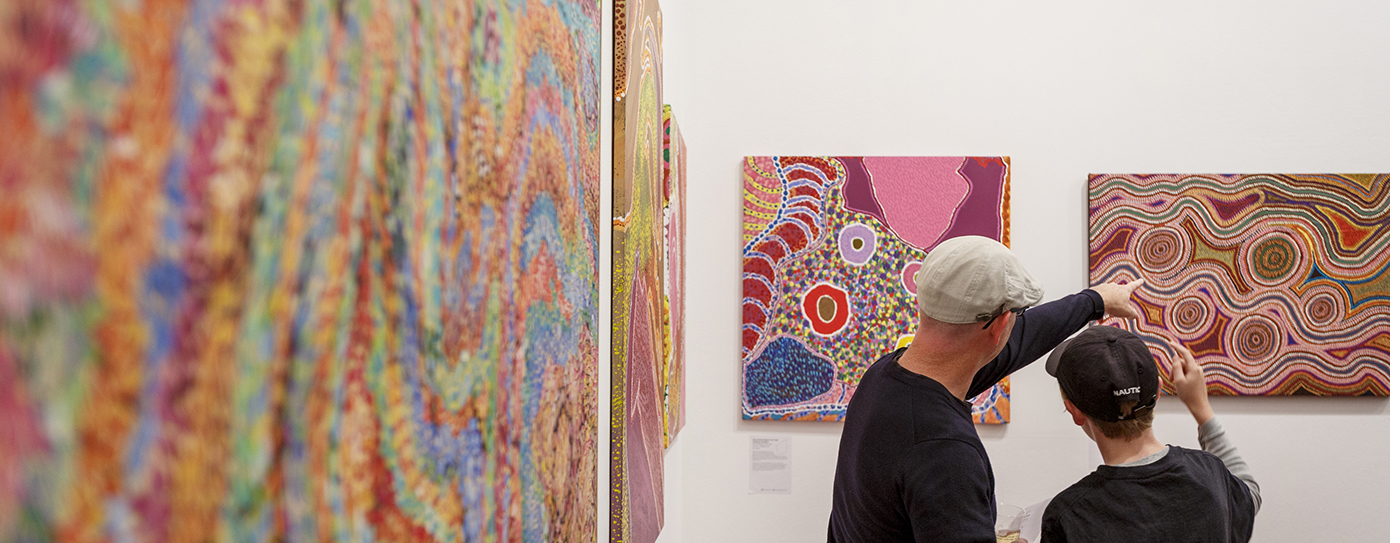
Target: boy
(1146, 491)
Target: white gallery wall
(1064, 89)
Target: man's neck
(951, 367)
(1122, 451)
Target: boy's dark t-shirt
(911, 467)
(1188, 495)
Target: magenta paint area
(922, 199)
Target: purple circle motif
(907, 276)
(857, 243)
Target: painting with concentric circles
(1279, 284)
(831, 249)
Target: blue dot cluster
(786, 372)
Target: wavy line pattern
(276, 270)
(828, 247)
(1280, 284)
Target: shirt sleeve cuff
(1098, 303)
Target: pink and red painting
(831, 249)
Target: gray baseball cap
(973, 279)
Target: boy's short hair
(1127, 428)
(1122, 429)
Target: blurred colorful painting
(831, 248)
(299, 270)
(639, 313)
(673, 181)
(1279, 284)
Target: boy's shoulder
(1068, 497)
(1199, 458)
(1187, 495)
(1179, 470)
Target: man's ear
(1001, 322)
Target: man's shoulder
(875, 374)
(888, 390)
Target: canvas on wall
(831, 248)
(279, 270)
(639, 313)
(1279, 284)
(673, 185)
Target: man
(1145, 491)
(911, 467)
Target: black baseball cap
(1103, 366)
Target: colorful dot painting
(1279, 284)
(648, 279)
(673, 378)
(299, 270)
(831, 249)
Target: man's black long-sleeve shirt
(911, 466)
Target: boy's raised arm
(1191, 387)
